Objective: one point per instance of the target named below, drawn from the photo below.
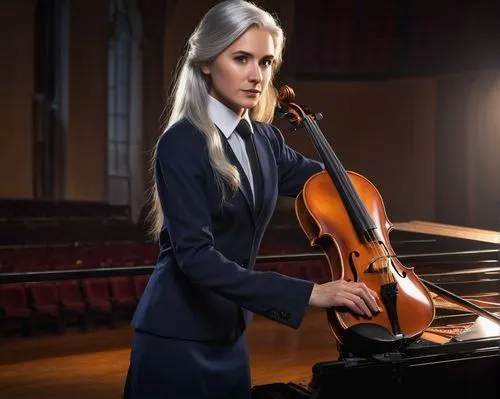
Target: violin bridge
(373, 268)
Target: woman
(213, 200)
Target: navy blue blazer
(204, 286)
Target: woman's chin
(249, 103)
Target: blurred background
(409, 91)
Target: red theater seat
(14, 301)
(45, 298)
(140, 283)
(96, 293)
(72, 301)
(14, 306)
(97, 297)
(45, 302)
(122, 291)
(71, 296)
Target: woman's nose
(255, 73)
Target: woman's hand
(357, 297)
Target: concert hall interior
(409, 97)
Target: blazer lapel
(245, 188)
(266, 167)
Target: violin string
(374, 245)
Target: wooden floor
(85, 365)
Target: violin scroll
(286, 94)
(287, 109)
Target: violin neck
(363, 224)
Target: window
(119, 60)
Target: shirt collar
(224, 118)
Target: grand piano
(458, 356)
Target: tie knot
(244, 129)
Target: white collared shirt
(226, 120)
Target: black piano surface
(464, 267)
(467, 365)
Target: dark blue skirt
(169, 368)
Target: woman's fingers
(364, 297)
(360, 305)
(355, 296)
(368, 295)
(352, 306)
(373, 294)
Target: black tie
(246, 134)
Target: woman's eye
(241, 58)
(267, 63)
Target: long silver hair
(218, 29)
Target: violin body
(343, 213)
(408, 308)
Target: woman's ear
(205, 68)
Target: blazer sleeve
(294, 169)
(184, 170)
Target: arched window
(124, 180)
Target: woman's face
(242, 72)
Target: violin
(343, 213)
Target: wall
(16, 98)
(86, 140)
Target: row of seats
(52, 231)
(26, 209)
(25, 306)
(312, 270)
(29, 305)
(23, 259)
(76, 257)
(28, 222)
(284, 241)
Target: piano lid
(448, 230)
(422, 238)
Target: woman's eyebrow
(242, 52)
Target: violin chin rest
(373, 332)
(368, 339)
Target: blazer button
(285, 315)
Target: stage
(80, 365)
